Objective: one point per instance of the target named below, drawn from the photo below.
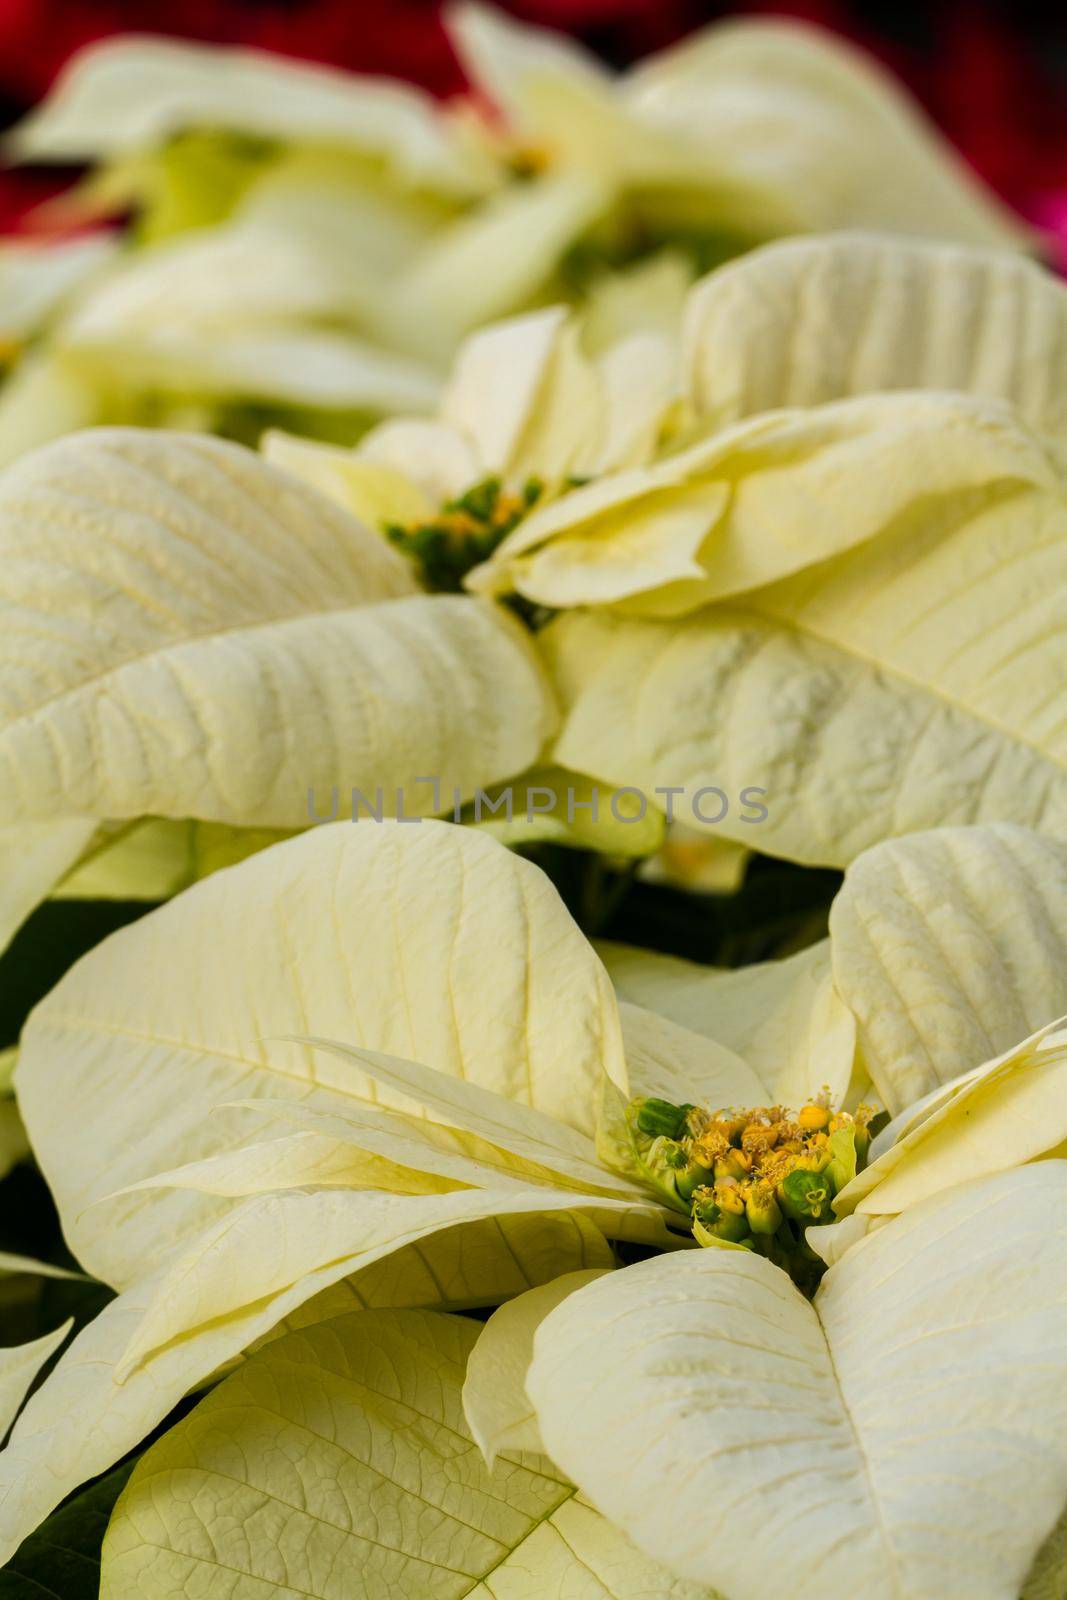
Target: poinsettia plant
(427, 1152)
(460, 562)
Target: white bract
(459, 1074)
(745, 131)
(190, 633)
(462, 1145)
(479, 1035)
(851, 511)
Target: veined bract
(827, 568)
(190, 633)
(523, 1049)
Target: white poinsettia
(189, 632)
(274, 201)
(826, 573)
(533, 404)
(860, 368)
(531, 1102)
(317, 243)
(127, 96)
(746, 130)
(277, 305)
(41, 394)
(328, 1497)
(221, 1174)
(845, 592)
(307, 242)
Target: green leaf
(61, 1561)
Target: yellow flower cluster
(756, 1177)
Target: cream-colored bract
(190, 633)
(865, 536)
(477, 1030)
(806, 321)
(526, 400)
(835, 387)
(859, 1441)
(36, 279)
(806, 364)
(785, 1018)
(948, 948)
(899, 687)
(498, 1411)
(749, 129)
(127, 95)
(279, 303)
(305, 1439)
(319, 243)
(331, 1064)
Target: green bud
(667, 1153)
(660, 1117)
(479, 500)
(806, 1196)
(691, 1179)
(731, 1166)
(728, 1226)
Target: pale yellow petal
(374, 493)
(19, 1365)
(811, 320)
(347, 1441)
(520, 1129)
(427, 942)
(422, 1146)
(498, 1412)
(671, 1062)
(81, 1421)
(773, 495)
(800, 131)
(320, 368)
(45, 397)
(191, 632)
(510, 60)
(784, 1018)
(435, 457)
(490, 263)
(127, 94)
(297, 1161)
(505, 386)
(858, 1443)
(294, 1242)
(37, 278)
(950, 947)
(1003, 1116)
(33, 857)
(910, 680)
